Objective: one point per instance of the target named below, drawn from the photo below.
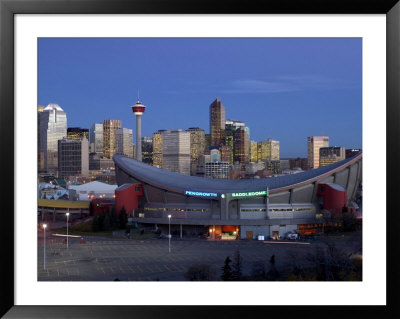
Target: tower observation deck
(138, 109)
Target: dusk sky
(282, 88)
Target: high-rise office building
(241, 147)
(176, 151)
(109, 140)
(314, 143)
(147, 150)
(73, 157)
(77, 133)
(268, 150)
(197, 146)
(330, 155)
(123, 142)
(96, 138)
(52, 127)
(208, 142)
(40, 153)
(157, 149)
(253, 151)
(226, 152)
(230, 127)
(217, 123)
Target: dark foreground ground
(105, 259)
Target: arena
(235, 209)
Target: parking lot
(105, 259)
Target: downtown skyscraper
(109, 137)
(52, 127)
(314, 143)
(217, 123)
(96, 138)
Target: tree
(106, 222)
(123, 219)
(237, 266)
(113, 219)
(227, 270)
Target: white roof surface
(94, 186)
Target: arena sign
(201, 194)
(250, 194)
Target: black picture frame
(8, 8)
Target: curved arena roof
(178, 182)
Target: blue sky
(283, 88)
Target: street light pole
(169, 233)
(67, 228)
(44, 249)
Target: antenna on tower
(138, 95)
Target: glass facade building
(176, 151)
(241, 145)
(157, 149)
(314, 143)
(109, 137)
(330, 155)
(197, 146)
(52, 127)
(96, 138)
(123, 142)
(77, 133)
(268, 150)
(217, 123)
(147, 150)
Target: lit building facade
(109, 137)
(123, 142)
(314, 143)
(73, 157)
(40, 153)
(241, 141)
(230, 128)
(330, 155)
(217, 123)
(176, 151)
(253, 152)
(268, 150)
(52, 127)
(197, 146)
(157, 149)
(147, 150)
(226, 152)
(96, 138)
(77, 133)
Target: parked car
(292, 235)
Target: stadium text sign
(250, 194)
(202, 194)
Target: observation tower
(138, 110)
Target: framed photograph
(40, 40)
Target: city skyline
(313, 86)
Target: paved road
(104, 259)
